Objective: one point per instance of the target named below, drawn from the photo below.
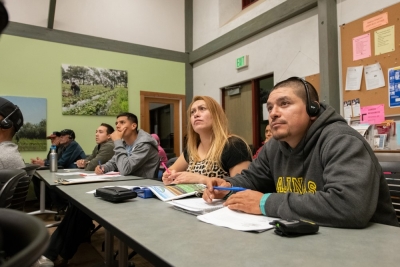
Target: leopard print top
(200, 168)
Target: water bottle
(53, 159)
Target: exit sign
(242, 62)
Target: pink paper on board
(375, 22)
(361, 46)
(372, 114)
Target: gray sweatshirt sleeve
(127, 164)
(349, 195)
(257, 177)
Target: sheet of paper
(394, 87)
(384, 40)
(237, 220)
(361, 46)
(347, 109)
(265, 112)
(372, 114)
(355, 105)
(361, 128)
(69, 173)
(353, 78)
(374, 76)
(197, 204)
(93, 174)
(375, 22)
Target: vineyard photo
(32, 135)
(93, 91)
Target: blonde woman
(211, 151)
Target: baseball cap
(6, 108)
(68, 132)
(54, 134)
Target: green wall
(32, 68)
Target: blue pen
(234, 189)
(100, 166)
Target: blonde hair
(220, 133)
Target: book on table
(196, 206)
(171, 192)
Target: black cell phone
(294, 227)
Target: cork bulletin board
(387, 60)
(314, 80)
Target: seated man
(136, 153)
(11, 120)
(71, 151)
(316, 167)
(102, 152)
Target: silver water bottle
(53, 159)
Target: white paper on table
(353, 78)
(374, 76)
(237, 220)
(69, 173)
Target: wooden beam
(63, 37)
(52, 13)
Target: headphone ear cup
(6, 124)
(313, 109)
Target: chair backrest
(24, 238)
(9, 179)
(391, 171)
(21, 191)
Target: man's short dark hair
(131, 117)
(110, 129)
(300, 91)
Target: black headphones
(312, 108)
(6, 123)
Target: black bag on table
(115, 193)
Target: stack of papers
(197, 206)
(237, 220)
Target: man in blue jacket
(71, 151)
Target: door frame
(178, 101)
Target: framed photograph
(93, 91)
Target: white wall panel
(209, 14)
(156, 23)
(28, 12)
(289, 49)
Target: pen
(100, 166)
(234, 189)
(165, 167)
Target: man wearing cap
(71, 150)
(11, 120)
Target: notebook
(196, 206)
(171, 192)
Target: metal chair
(24, 238)
(9, 179)
(21, 191)
(391, 171)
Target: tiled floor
(89, 254)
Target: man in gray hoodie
(136, 152)
(316, 167)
